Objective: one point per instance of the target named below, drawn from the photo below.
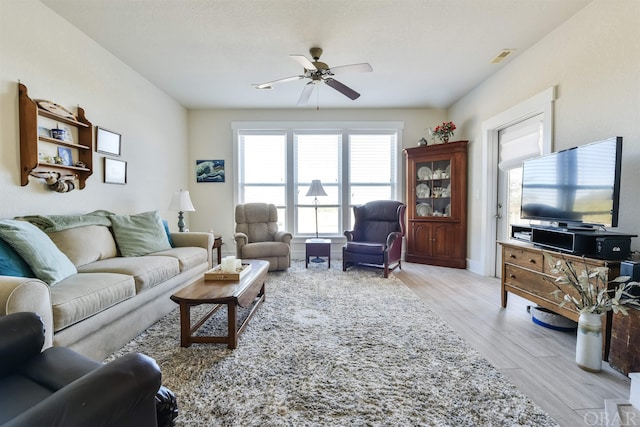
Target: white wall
(211, 137)
(58, 62)
(594, 61)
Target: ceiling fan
(317, 72)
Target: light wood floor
(539, 361)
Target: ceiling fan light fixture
(317, 72)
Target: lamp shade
(181, 202)
(316, 189)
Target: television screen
(578, 185)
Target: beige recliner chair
(257, 235)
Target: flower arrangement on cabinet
(444, 131)
(591, 287)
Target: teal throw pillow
(12, 264)
(140, 234)
(48, 263)
(166, 229)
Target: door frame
(542, 103)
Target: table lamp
(316, 190)
(181, 202)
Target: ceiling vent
(502, 56)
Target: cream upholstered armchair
(257, 235)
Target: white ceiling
(207, 53)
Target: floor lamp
(316, 190)
(181, 202)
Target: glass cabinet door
(433, 189)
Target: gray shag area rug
(333, 348)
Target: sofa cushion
(19, 393)
(265, 250)
(83, 245)
(139, 234)
(11, 263)
(147, 271)
(48, 263)
(188, 257)
(84, 294)
(366, 248)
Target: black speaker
(613, 248)
(631, 269)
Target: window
(317, 157)
(518, 142)
(276, 164)
(262, 169)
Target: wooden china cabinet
(437, 204)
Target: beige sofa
(112, 298)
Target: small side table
(217, 244)
(317, 248)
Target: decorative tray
(216, 273)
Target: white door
(518, 142)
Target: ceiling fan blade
(342, 88)
(306, 93)
(268, 85)
(357, 68)
(304, 61)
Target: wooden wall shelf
(30, 140)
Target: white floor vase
(589, 342)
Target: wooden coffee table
(247, 292)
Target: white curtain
(520, 142)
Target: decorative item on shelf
(57, 182)
(63, 132)
(444, 131)
(422, 142)
(43, 131)
(588, 292)
(54, 108)
(57, 160)
(181, 202)
(80, 164)
(65, 154)
(423, 191)
(316, 190)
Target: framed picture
(65, 154)
(210, 170)
(108, 142)
(115, 171)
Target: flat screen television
(575, 187)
